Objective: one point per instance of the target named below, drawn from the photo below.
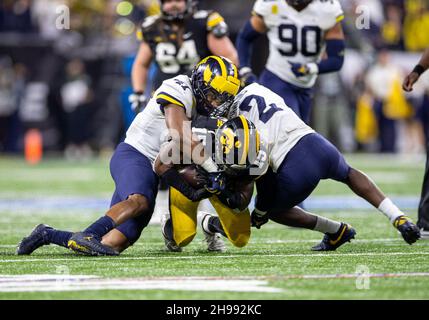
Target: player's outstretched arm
(179, 126)
(139, 75)
(251, 31)
(140, 68)
(169, 173)
(418, 70)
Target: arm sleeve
(335, 51)
(176, 91)
(244, 44)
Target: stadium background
(42, 68)
(72, 86)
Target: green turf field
(276, 264)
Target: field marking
(61, 283)
(315, 202)
(50, 283)
(215, 256)
(273, 241)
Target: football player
(299, 158)
(300, 34)
(210, 91)
(236, 146)
(176, 41)
(423, 212)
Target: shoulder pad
(176, 91)
(330, 12)
(265, 7)
(149, 22)
(201, 14)
(148, 29)
(216, 24)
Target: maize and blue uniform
(133, 174)
(299, 157)
(131, 165)
(297, 37)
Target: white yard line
(62, 283)
(256, 255)
(50, 283)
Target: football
(192, 177)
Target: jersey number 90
(310, 38)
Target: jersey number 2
(265, 112)
(310, 40)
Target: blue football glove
(215, 182)
(247, 76)
(258, 218)
(299, 70)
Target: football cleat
(214, 241)
(424, 234)
(170, 244)
(409, 231)
(88, 244)
(331, 241)
(35, 240)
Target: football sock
(389, 209)
(168, 229)
(215, 226)
(325, 225)
(58, 237)
(100, 227)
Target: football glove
(258, 218)
(301, 70)
(215, 182)
(231, 199)
(247, 76)
(138, 101)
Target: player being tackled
(236, 148)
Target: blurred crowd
(69, 78)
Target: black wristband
(419, 69)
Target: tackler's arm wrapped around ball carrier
(234, 151)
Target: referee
(410, 80)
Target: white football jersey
(297, 36)
(149, 130)
(280, 128)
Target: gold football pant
(183, 214)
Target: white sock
(325, 225)
(389, 209)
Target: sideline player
(408, 84)
(300, 33)
(299, 158)
(176, 41)
(210, 91)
